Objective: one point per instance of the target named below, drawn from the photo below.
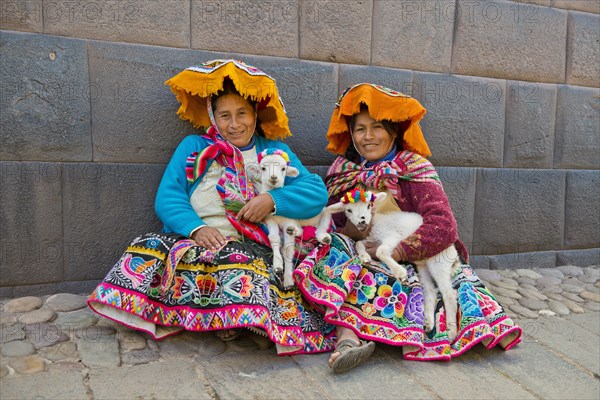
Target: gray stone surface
(138, 21)
(22, 15)
(570, 270)
(31, 218)
(186, 381)
(36, 316)
(60, 352)
(579, 5)
(517, 44)
(134, 112)
(44, 107)
(23, 304)
(415, 35)
(459, 185)
(17, 348)
(525, 312)
(578, 257)
(558, 307)
(397, 79)
(65, 302)
(267, 28)
(583, 67)
(100, 198)
(102, 352)
(137, 357)
(590, 296)
(27, 365)
(582, 224)
(10, 332)
(488, 275)
(59, 385)
(532, 304)
(505, 292)
(464, 124)
(74, 320)
(532, 200)
(571, 288)
(577, 135)
(309, 91)
(548, 281)
(572, 296)
(336, 31)
(530, 115)
(45, 334)
(552, 272)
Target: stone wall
(87, 125)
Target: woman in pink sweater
(375, 131)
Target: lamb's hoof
(428, 325)
(326, 238)
(365, 259)
(288, 282)
(294, 231)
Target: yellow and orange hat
(383, 103)
(195, 85)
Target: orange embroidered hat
(383, 104)
(195, 85)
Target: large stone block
(413, 34)
(138, 21)
(464, 124)
(591, 6)
(518, 210)
(577, 137)
(583, 58)
(530, 116)
(510, 40)
(336, 30)
(309, 92)
(582, 214)
(582, 258)
(108, 206)
(398, 79)
(546, 3)
(133, 111)
(539, 259)
(22, 15)
(459, 185)
(31, 223)
(246, 26)
(44, 106)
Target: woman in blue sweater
(210, 269)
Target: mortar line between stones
(298, 35)
(567, 48)
(87, 50)
(371, 42)
(563, 219)
(190, 26)
(504, 141)
(454, 29)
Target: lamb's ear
(292, 171)
(379, 197)
(336, 208)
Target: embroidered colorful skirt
(378, 307)
(164, 284)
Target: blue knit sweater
(302, 197)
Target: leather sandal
(351, 354)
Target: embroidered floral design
(381, 278)
(362, 288)
(238, 286)
(487, 303)
(467, 300)
(390, 300)
(368, 309)
(415, 308)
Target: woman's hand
(371, 248)
(257, 208)
(209, 237)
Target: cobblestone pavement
(54, 347)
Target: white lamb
(274, 167)
(391, 228)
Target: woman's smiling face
(235, 118)
(370, 137)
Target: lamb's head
(358, 206)
(274, 166)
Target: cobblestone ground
(59, 332)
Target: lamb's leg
(440, 267)
(291, 230)
(384, 253)
(275, 241)
(321, 233)
(429, 296)
(361, 251)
